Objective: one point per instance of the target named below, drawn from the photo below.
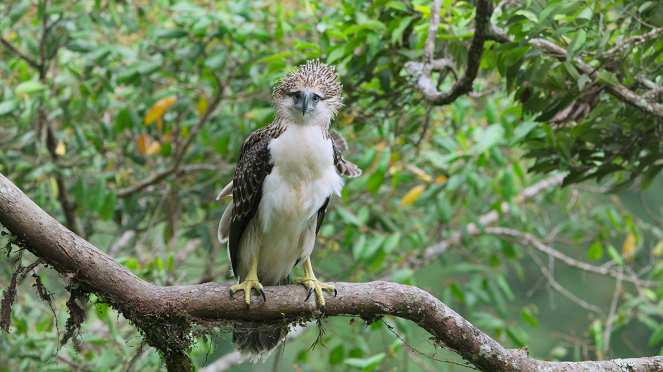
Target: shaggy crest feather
(314, 75)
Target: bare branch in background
(484, 10)
(630, 41)
(641, 102)
(491, 217)
(529, 238)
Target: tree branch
(629, 41)
(491, 217)
(97, 272)
(27, 59)
(643, 103)
(529, 238)
(482, 32)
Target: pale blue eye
(296, 96)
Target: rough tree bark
(147, 305)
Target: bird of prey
(285, 175)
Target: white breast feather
(302, 179)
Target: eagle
(285, 175)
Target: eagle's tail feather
(253, 342)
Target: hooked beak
(305, 103)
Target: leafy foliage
(123, 120)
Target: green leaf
(80, 46)
(457, 292)
(348, 216)
(335, 55)
(30, 87)
(391, 243)
(221, 145)
(397, 5)
(367, 364)
(126, 75)
(8, 107)
(216, 61)
(149, 68)
(166, 149)
(358, 247)
(656, 337)
(614, 254)
(518, 336)
(397, 33)
(595, 251)
(108, 207)
(336, 356)
(548, 11)
(171, 34)
(584, 78)
(276, 57)
(375, 181)
(529, 318)
(646, 179)
(372, 247)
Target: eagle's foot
(314, 285)
(246, 286)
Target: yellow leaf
(420, 173)
(658, 248)
(54, 187)
(202, 105)
(412, 195)
(628, 249)
(185, 132)
(441, 178)
(143, 142)
(158, 109)
(60, 149)
(153, 148)
(425, 11)
(159, 124)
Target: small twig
(27, 59)
(482, 32)
(611, 314)
(558, 287)
(602, 270)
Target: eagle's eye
(296, 96)
(316, 98)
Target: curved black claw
(262, 292)
(310, 291)
(322, 308)
(232, 293)
(335, 292)
(248, 306)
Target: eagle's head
(308, 94)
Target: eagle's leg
(251, 281)
(312, 284)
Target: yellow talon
(312, 284)
(251, 281)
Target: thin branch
(529, 238)
(27, 59)
(630, 41)
(617, 90)
(94, 271)
(482, 32)
(549, 275)
(611, 314)
(491, 217)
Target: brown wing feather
(252, 168)
(343, 166)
